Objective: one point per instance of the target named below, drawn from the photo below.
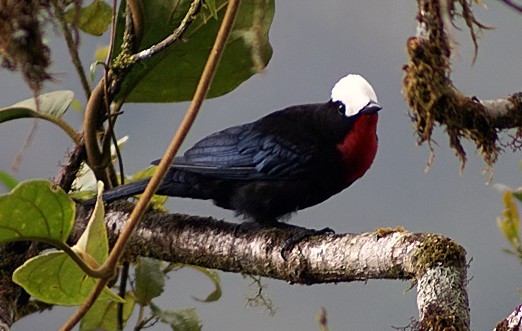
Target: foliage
(173, 76)
(137, 71)
(509, 222)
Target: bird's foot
(247, 226)
(299, 234)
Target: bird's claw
(301, 234)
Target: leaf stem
(69, 130)
(87, 304)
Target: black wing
(248, 152)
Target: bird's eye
(341, 108)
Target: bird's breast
(359, 147)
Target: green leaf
(212, 275)
(54, 103)
(53, 277)
(100, 55)
(180, 320)
(103, 315)
(94, 242)
(150, 279)
(36, 210)
(93, 19)
(509, 222)
(518, 194)
(172, 75)
(210, 5)
(7, 180)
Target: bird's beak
(371, 107)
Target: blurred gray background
(315, 43)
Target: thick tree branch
(12, 297)
(435, 262)
(504, 113)
(511, 323)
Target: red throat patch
(359, 147)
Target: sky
(315, 43)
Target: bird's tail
(177, 183)
(121, 192)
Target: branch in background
(59, 11)
(513, 5)
(504, 113)
(435, 262)
(511, 323)
(433, 98)
(13, 299)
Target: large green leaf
(7, 180)
(54, 278)
(36, 210)
(51, 108)
(53, 103)
(173, 74)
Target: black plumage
(286, 161)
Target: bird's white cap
(355, 93)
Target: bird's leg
(298, 234)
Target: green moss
(430, 93)
(438, 320)
(383, 232)
(438, 250)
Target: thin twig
(513, 5)
(178, 32)
(124, 277)
(72, 46)
(97, 159)
(118, 105)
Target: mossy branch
(434, 99)
(437, 264)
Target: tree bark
(436, 263)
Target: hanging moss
(22, 44)
(430, 93)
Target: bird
(286, 161)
